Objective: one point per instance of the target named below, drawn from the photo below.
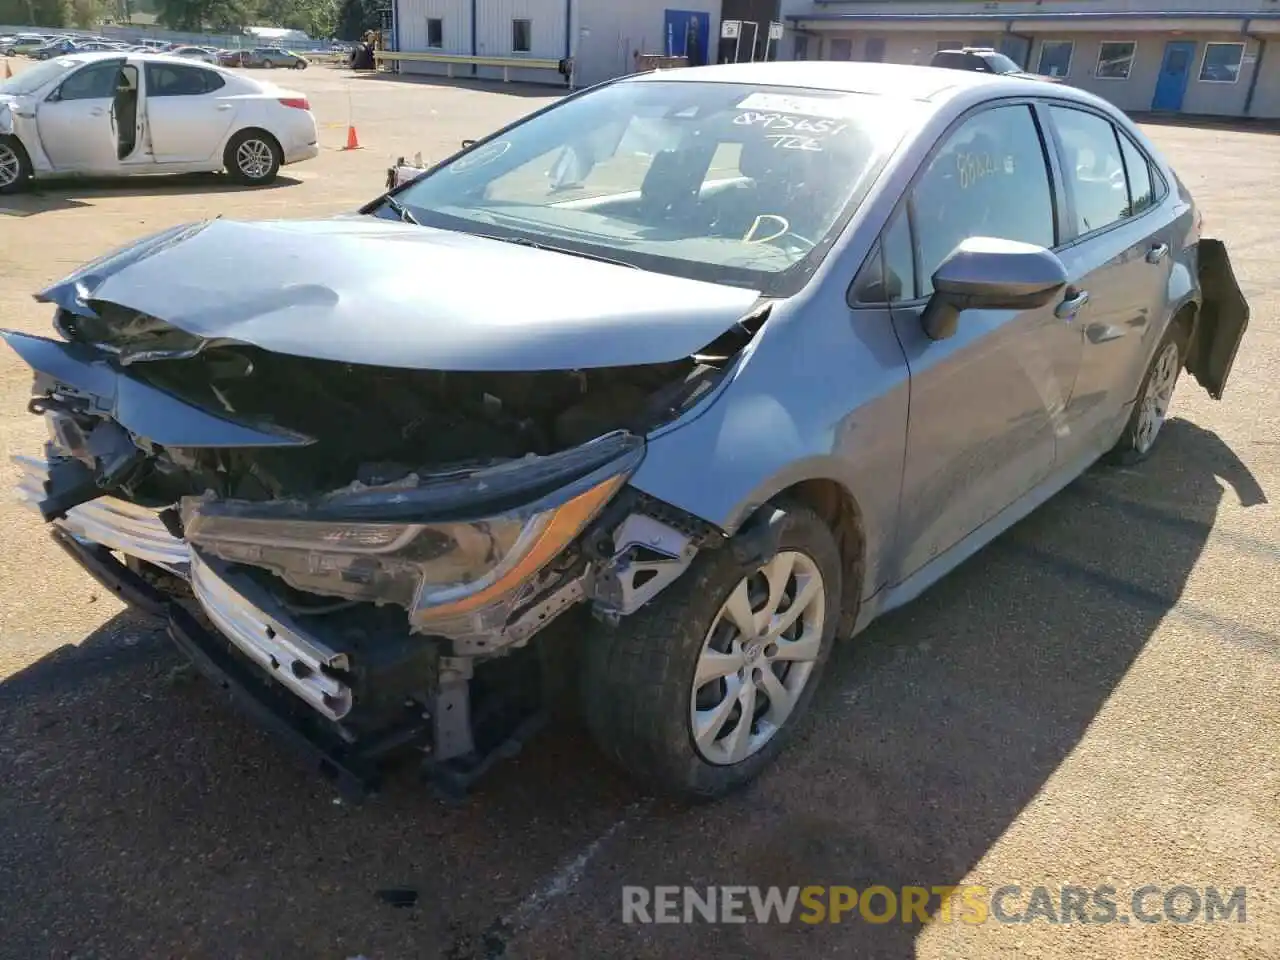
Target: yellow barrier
(450, 60)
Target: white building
(603, 37)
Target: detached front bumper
(246, 615)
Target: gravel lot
(1095, 699)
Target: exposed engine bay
(376, 540)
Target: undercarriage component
(648, 557)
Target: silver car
(635, 406)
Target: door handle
(1157, 252)
(224, 106)
(1070, 306)
(96, 112)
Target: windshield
(1002, 64)
(737, 184)
(29, 81)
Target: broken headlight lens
(468, 570)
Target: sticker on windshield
(479, 157)
(833, 108)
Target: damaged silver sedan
(631, 408)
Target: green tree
(355, 17)
(85, 14)
(36, 13)
(221, 16)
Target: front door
(77, 121)
(987, 404)
(1171, 85)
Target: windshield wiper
(400, 210)
(534, 244)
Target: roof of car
(877, 79)
(133, 55)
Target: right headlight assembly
(448, 549)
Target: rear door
(1121, 238)
(188, 112)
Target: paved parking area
(1093, 700)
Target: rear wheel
(252, 157)
(696, 693)
(268, 64)
(1151, 409)
(300, 65)
(15, 167)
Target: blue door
(1174, 73)
(687, 35)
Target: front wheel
(1151, 408)
(696, 693)
(300, 65)
(268, 65)
(15, 167)
(252, 158)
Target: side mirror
(985, 273)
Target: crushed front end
(361, 555)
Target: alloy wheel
(757, 657)
(10, 165)
(254, 159)
(1157, 397)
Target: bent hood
(370, 291)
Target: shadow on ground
(48, 196)
(140, 817)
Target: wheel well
(836, 505)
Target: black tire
(12, 152)
(638, 677)
(1130, 448)
(268, 65)
(242, 172)
(300, 65)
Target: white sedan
(113, 114)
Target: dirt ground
(1095, 699)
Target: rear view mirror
(985, 273)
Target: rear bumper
(307, 151)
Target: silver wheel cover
(757, 658)
(254, 159)
(1154, 405)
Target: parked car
(55, 49)
(203, 54)
(230, 58)
(984, 60)
(112, 114)
(271, 57)
(658, 432)
(25, 43)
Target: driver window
(989, 179)
(94, 82)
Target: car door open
(77, 123)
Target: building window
(1055, 58)
(840, 50)
(1221, 63)
(521, 36)
(1115, 59)
(875, 50)
(802, 47)
(435, 32)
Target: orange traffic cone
(353, 142)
